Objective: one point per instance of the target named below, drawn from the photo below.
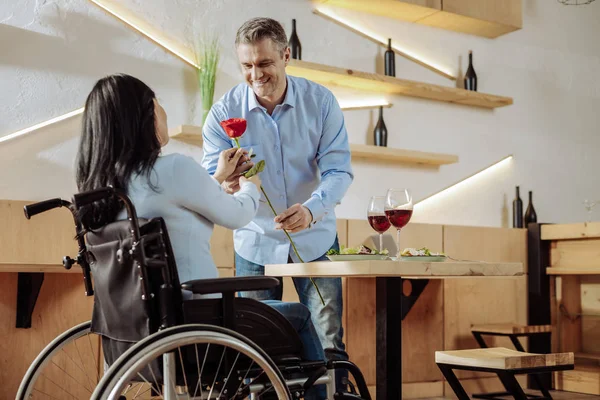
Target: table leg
(389, 338)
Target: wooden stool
(505, 363)
(513, 332)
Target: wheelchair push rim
(126, 367)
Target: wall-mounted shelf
(488, 19)
(328, 75)
(378, 153)
(192, 134)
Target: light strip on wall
(458, 185)
(327, 14)
(41, 125)
(144, 31)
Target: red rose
(234, 127)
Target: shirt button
(278, 172)
(281, 197)
(276, 147)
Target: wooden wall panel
(486, 244)
(44, 239)
(470, 301)
(60, 305)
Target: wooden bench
(505, 363)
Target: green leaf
(257, 168)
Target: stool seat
(511, 329)
(501, 358)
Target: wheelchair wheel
(66, 368)
(195, 361)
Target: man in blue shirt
(297, 127)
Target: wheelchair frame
(168, 324)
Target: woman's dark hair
(118, 139)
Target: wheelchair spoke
(155, 381)
(46, 394)
(183, 371)
(60, 387)
(95, 357)
(245, 376)
(199, 384)
(212, 387)
(81, 367)
(228, 375)
(71, 376)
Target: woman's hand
(228, 163)
(254, 179)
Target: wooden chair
(512, 331)
(505, 363)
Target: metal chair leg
(512, 386)
(453, 382)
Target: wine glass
(399, 209)
(377, 218)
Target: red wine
(379, 222)
(399, 218)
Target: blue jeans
(327, 319)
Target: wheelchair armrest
(235, 284)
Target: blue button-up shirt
(305, 146)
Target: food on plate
(364, 250)
(422, 252)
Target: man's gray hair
(257, 29)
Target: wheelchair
(148, 340)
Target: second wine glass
(398, 209)
(377, 218)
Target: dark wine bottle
(471, 76)
(380, 133)
(294, 43)
(517, 211)
(530, 214)
(390, 60)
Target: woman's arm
(194, 189)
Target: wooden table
(392, 304)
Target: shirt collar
(290, 96)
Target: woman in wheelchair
(161, 341)
(124, 129)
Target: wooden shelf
(192, 134)
(366, 107)
(583, 230)
(572, 271)
(378, 153)
(488, 19)
(328, 75)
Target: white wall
(52, 52)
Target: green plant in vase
(207, 58)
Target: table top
(407, 269)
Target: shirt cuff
(316, 208)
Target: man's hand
(294, 219)
(232, 183)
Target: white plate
(423, 258)
(357, 257)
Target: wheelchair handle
(85, 198)
(36, 208)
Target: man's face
(263, 67)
